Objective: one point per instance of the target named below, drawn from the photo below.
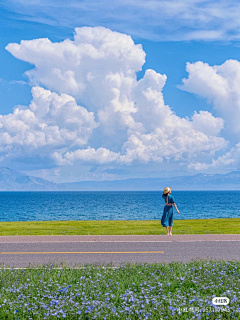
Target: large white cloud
(51, 121)
(164, 134)
(98, 68)
(221, 86)
(76, 67)
(132, 123)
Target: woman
(167, 217)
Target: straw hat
(166, 190)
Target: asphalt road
(22, 251)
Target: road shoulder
(122, 238)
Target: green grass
(128, 292)
(150, 227)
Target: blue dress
(167, 217)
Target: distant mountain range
(11, 180)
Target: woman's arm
(176, 207)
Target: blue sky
(140, 89)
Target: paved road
(22, 251)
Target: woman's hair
(166, 194)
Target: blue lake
(129, 205)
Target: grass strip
(130, 291)
(120, 227)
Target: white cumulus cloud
(51, 121)
(95, 109)
(221, 86)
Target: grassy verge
(142, 291)
(199, 226)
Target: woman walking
(167, 217)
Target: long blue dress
(167, 217)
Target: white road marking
(134, 241)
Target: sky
(102, 90)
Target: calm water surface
(130, 205)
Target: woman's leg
(167, 231)
(170, 223)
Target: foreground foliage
(144, 291)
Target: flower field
(143, 291)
